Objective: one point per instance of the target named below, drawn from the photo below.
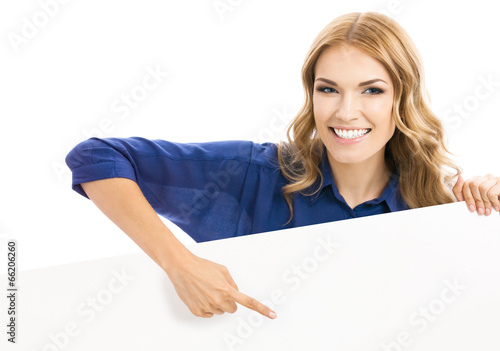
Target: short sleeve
(96, 159)
(198, 186)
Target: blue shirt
(217, 190)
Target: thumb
(458, 188)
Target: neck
(360, 182)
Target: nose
(347, 108)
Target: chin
(347, 159)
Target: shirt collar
(326, 172)
(390, 195)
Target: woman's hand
(479, 193)
(207, 288)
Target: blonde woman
(365, 142)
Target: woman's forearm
(206, 287)
(122, 201)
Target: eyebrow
(368, 82)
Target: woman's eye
(374, 91)
(326, 90)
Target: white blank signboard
(424, 279)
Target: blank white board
(425, 279)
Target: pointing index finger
(252, 304)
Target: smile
(350, 133)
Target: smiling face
(352, 101)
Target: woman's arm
(204, 286)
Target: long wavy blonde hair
(416, 151)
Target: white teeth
(351, 133)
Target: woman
(365, 142)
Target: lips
(348, 134)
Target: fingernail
(480, 211)
(497, 208)
(487, 212)
(472, 208)
(272, 315)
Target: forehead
(347, 63)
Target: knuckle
(474, 198)
(494, 198)
(206, 308)
(252, 303)
(220, 301)
(474, 184)
(468, 199)
(476, 195)
(491, 195)
(232, 308)
(225, 294)
(197, 312)
(483, 188)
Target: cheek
(381, 112)
(316, 104)
(387, 126)
(322, 109)
(378, 106)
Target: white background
(229, 77)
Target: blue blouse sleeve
(198, 186)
